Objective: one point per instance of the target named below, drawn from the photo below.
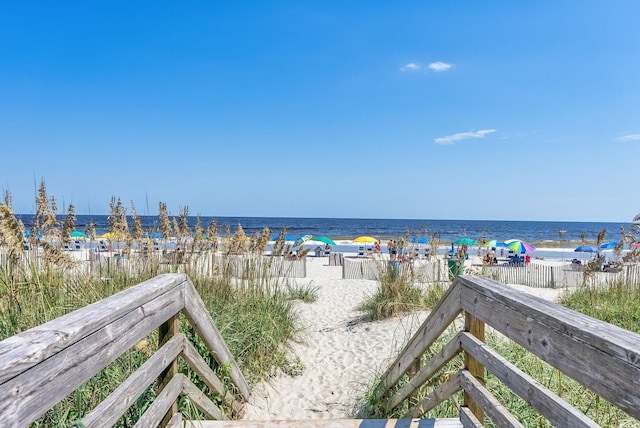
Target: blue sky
(422, 110)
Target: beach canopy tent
(465, 241)
(518, 246)
(324, 239)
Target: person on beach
(377, 247)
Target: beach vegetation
(306, 293)
(253, 310)
(395, 295)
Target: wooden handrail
(43, 365)
(600, 356)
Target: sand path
(341, 353)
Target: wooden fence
(560, 276)
(204, 263)
(43, 365)
(601, 357)
(422, 271)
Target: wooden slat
(438, 320)
(24, 350)
(163, 402)
(331, 423)
(201, 401)
(166, 331)
(435, 363)
(468, 419)
(490, 404)
(116, 404)
(199, 317)
(576, 344)
(475, 327)
(437, 396)
(26, 397)
(195, 361)
(176, 421)
(548, 404)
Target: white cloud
(450, 139)
(412, 66)
(440, 66)
(631, 137)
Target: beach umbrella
(519, 246)
(365, 239)
(495, 244)
(112, 236)
(78, 234)
(611, 245)
(420, 240)
(585, 249)
(465, 241)
(155, 235)
(324, 239)
(301, 240)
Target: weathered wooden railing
(43, 365)
(601, 357)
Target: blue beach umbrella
(611, 245)
(420, 240)
(495, 244)
(585, 249)
(286, 237)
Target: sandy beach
(341, 353)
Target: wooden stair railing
(41, 366)
(598, 355)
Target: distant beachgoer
(377, 247)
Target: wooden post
(165, 332)
(475, 327)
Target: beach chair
(360, 251)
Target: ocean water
(349, 228)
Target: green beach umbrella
(324, 239)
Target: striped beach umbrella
(519, 246)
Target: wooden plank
(438, 320)
(26, 397)
(24, 350)
(468, 419)
(176, 421)
(437, 396)
(165, 332)
(475, 327)
(195, 361)
(200, 318)
(163, 402)
(490, 404)
(201, 401)
(116, 404)
(435, 363)
(603, 357)
(548, 404)
(331, 423)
